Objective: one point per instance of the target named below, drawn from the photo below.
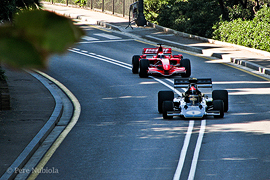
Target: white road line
(109, 60)
(116, 40)
(191, 122)
(165, 84)
(181, 161)
(197, 151)
(108, 36)
(87, 38)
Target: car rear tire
(144, 64)
(186, 64)
(218, 105)
(135, 64)
(164, 96)
(167, 106)
(221, 95)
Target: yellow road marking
(62, 136)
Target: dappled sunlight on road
(242, 114)
(149, 82)
(241, 82)
(247, 91)
(162, 132)
(124, 97)
(256, 127)
(219, 61)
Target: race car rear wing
(156, 50)
(200, 82)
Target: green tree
(10, 7)
(193, 16)
(253, 33)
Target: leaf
(48, 30)
(19, 53)
(34, 36)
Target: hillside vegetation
(242, 22)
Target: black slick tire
(135, 64)
(167, 106)
(221, 95)
(144, 64)
(186, 64)
(164, 96)
(218, 105)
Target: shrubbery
(229, 21)
(251, 33)
(194, 17)
(9, 7)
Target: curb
(41, 135)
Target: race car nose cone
(166, 67)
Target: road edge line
(31, 148)
(65, 132)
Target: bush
(193, 16)
(10, 7)
(153, 8)
(237, 11)
(250, 33)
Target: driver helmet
(193, 90)
(161, 55)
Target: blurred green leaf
(19, 53)
(50, 31)
(34, 36)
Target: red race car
(160, 61)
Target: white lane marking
(108, 36)
(165, 84)
(183, 153)
(88, 38)
(116, 40)
(109, 60)
(197, 151)
(191, 122)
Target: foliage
(3, 77)
(81, 3)
(251, 33)
(237, 11)
(196, 16)
(153, 8)
(34, 35)
(193, 16)
(10, 7)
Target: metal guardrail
(120, 7)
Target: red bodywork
(167, 65)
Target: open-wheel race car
(160, 61)
(193, 103)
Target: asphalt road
(121, 135)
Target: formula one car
(160, 62)
(193, 103)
